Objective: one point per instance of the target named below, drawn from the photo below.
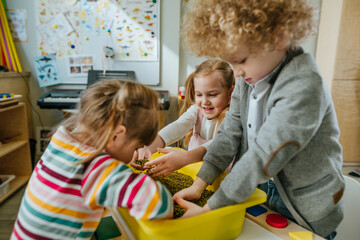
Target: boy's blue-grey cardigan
(297, 145)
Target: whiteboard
(130, 27)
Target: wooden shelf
(11, 146)
(4, 75)
(15, 184)
(11, 107)
(18, 83)
(15, 155)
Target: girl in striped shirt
(83, 169)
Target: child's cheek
(198, 102)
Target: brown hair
(214, 28)
(225, 75)
(110, 103)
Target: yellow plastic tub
(223, 223)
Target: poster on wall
(18, 24)
(46, 70)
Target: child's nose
(239, 73)
(206, 99)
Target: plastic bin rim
(257, 197)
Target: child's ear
(283, 38)
(283, 43)
(120, 130)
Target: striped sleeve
(110, 183)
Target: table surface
(252, 230)
(281, 233)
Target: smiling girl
(207, 98)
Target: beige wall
(338, 55)
(328, 37)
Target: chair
(349, 228)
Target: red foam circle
(276, 220)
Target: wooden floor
(9, 208)
(8, 212)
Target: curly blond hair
(214, 28)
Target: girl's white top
(179, 128)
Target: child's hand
(193, 192)
(191, 208)
(164, 165)
(140, 154)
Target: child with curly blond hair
(83, 169)
(281, 126)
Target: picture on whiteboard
(135, 31)
(86, 68)
(75, 69)
(55, 29)
(78, 66)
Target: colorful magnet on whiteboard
(109, 31)
(102, 27)
(276, 220)
(86, 38)
(145, 54)
(72, 46)
(154, 16)
(55, 26)
(127, 54)
(154, 1)
(40, 47)
(152, 33)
